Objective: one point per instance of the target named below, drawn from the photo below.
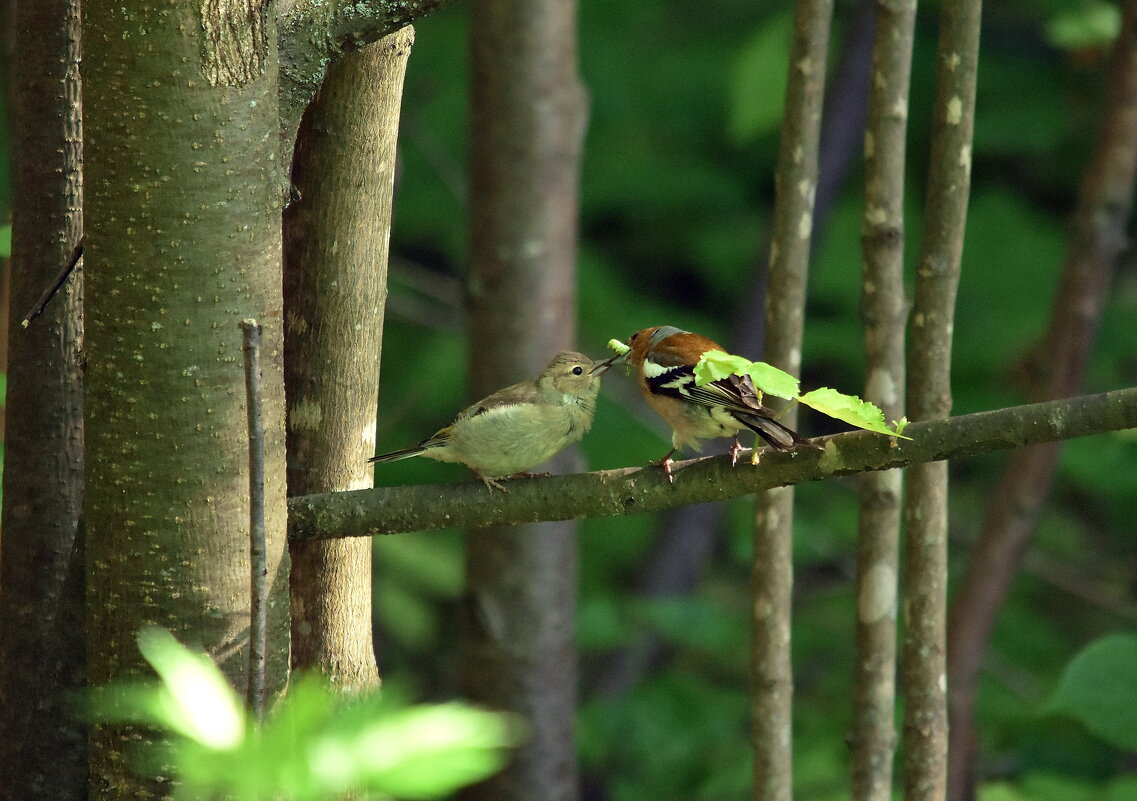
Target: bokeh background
(676, 205)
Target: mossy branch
(633, 490)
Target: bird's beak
(600, 367)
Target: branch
(633, 490)
(258, 559)
(314, 34)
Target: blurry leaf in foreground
(192, 699)
(1099, 689)
(317, 743)
(416, 752)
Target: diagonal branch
(633, 490)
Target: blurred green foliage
(677, 192)
(316, 743)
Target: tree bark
(1098, 238)
(336, 238)
(527, 120)
(772, 561)
(42, 745)
(929, 398)
(884, 311)
(183, 242)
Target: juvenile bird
(664, 359)
(518, 427)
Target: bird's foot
(493, 483)
(735, 449)
(666, 463)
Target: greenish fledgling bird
(518, 427)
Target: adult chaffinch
(518, 427)
(664, 358)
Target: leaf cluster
(316, 744)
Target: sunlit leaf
(194, 699)
(716, 364)
(1099, 689)
(418, 752)
(848, 408)
(773, 381)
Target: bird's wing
(734, 393)
(523, 392)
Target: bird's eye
(577, 370)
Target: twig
(69, 267)
(633, 490)
(258, 558)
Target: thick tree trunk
(526, 127)
(42, 745)
(183, 242)
(336, 245)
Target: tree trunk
(183, 242)
(772, 560)
(526, 129)
(42, 745)
(336, 245)
(883, 311)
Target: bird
(664, 359)
(516, 428)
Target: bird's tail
(394, 456)
(780, 437)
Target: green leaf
(1099, 689)
(773, 381)
(194, 699)
(5, 241)
(418, 752)
(716, 364)
(848, 408)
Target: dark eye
(577, 370)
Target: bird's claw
(735, 449)
(493, 483)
